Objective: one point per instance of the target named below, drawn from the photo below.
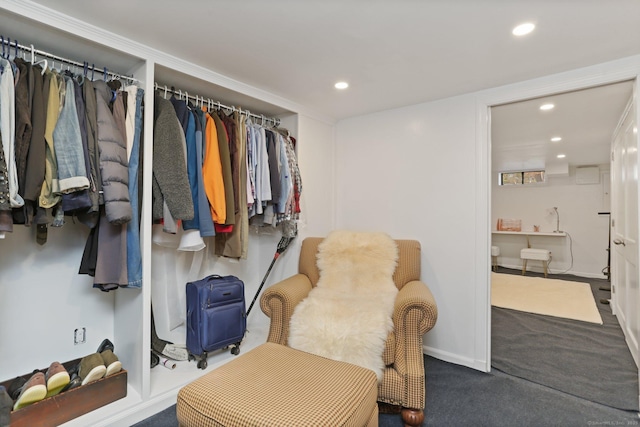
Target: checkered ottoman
(274, 385)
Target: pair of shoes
(57, 378)
(33, 390)
(155, 359)
(75, 380)
(166, 348)
(42, 221)
(98, 365)
(39, 386)
(16, 386)
(73, 383)
(105, 345)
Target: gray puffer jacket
(114, 164)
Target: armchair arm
(279, 301)
(415, 313)
(414, 301)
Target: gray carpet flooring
(458, 396)
(584, 359)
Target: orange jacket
(212, 172)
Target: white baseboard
(142, 411)
(480, 365)
(553, 271)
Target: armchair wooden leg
(412, 417)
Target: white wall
(583, 252)
(315, 156)
(43, 299)
(409, 172)
(424, 172)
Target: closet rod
(84, 66)
(201, 100)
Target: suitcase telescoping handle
(211, 278)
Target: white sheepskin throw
(348, 315)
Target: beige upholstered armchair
(415, 313)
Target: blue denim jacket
(67, 141)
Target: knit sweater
(170, 181)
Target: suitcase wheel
(202, 364)
(235, 350)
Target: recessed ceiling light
(546, 107)
(561, 156)
(556, 139)
(523, 29)
(341, 85)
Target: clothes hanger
(6, 51)
(78, 76)
(43, 61)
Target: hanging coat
(170, 182)
(114, 166)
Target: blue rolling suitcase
(216, 316)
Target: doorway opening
(561, 214)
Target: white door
(625, 298)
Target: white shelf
(532, 233)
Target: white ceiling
(585, 120)
(392, 52)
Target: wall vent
(588, 175)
